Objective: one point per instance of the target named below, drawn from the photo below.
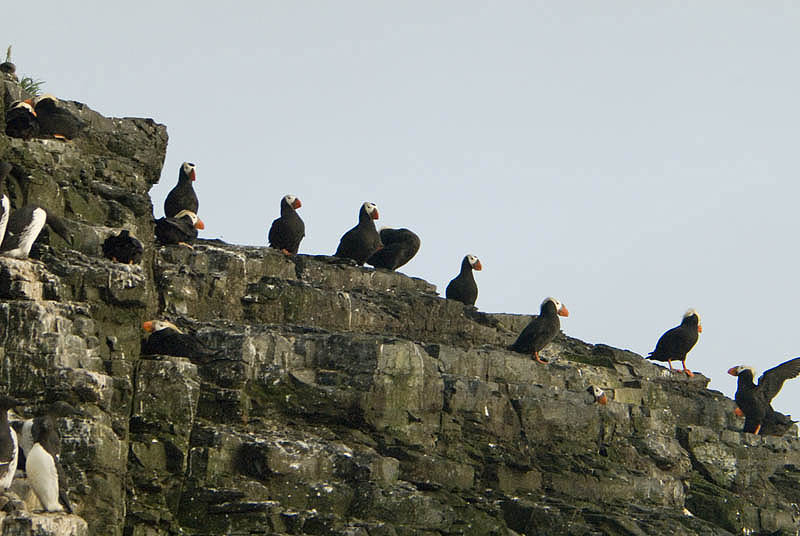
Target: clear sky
(629, 159)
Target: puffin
(43, 467)
(54, 119)
(463, 287)
(598, 395)
(8, 443)
(286, 232)
(182, 229)
(123, 248)
(21, 121)
(541, 329)
(182, 196)
(5, 204)
(24, 226)
(360, 242)
(675, 343)
(755, 401)
(399, 247)
(167, 339)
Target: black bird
(676, 342)
(463, 287)
(755, 401)
(123, 248)
(182, 197)
(5, 204)
(182, 229)
(167, 339)
(43, 467)
(21, 121)
(287, 231)
(8, 443)
(360, 242)
(54, 119)
(24, 226)
(399, 247)
(541, 329)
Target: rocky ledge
(344, 400)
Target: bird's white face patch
(472, 259)
(741, 368)
(188, 167)
(555, 302)
(289, 199)
(370, 207)
(23, 104)
(691, 312)
(192, 216)
(164, 324)
(42, 98)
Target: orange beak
(148, 326)
(738, 412)
(375, 214)
(603, 399)
(192, 175)
(733, 372)
(563, 311)
(699, 328)
(477, 266)
(297, 204)
(199, 224)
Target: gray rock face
(344, 400)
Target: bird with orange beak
(541, 329)
(182, 229)
(287, 231)
(755, 401)
(675, 343)
(168, 339)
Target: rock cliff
(345, 400)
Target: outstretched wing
(772, 380)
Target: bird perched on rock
(24, 226)
(182, 196)
(598, 395)
(167, 339)
(24, 428)
(21, 120)
(43, 467)
(463, 287)
(360, 242)
(541, 329)
(124, 248)
(399, 247)
(287, 231)
(675, 343)
(55, 119)
(182, 229)
(8, 443)
(755, 401)
(5, 204)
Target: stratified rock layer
(345, 400)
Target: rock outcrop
(345, 400)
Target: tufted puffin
(123, 248)
(43, 467)
(167, 339)
(287, 231)
(8, 443)
(54, 119)
(24, 226)
(399, 247)
(541, 329)
(598, 395)
(182, 196)
(755, 401)
(360, 242)
(182, 229)
(676, 342)
(5, 204)
(463, 287)
(21, 120)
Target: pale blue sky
(630, 160)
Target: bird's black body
(675, 343)
(540, 330)
(360, 242)
(463, 287)
(176, 230)
(287, 231)
(399, 247)
(123, 248)
(182, 196)
(755, 401)
(21, 121)
(45, 433)
(54, 118)
(169, 341)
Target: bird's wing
(772, 380)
